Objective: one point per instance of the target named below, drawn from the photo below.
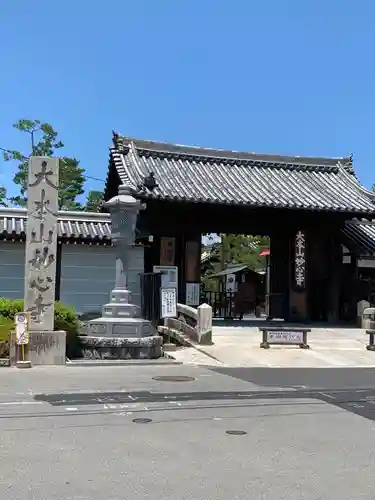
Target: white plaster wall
(88, 275)
(12, 265)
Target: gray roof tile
(227, 177)
(361, 234)
(71, 225)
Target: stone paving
(238, 345)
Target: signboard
(193, 294)
(300, 260)
(169, 276)
(230, 285)
(167, 251)
(285, 337)
(168, 299)
(22, 328)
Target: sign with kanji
(22, 328)
(168, 299)
(300, 260)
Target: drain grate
(142, 420)
(236, 433)
(173, 378)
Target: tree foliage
(243, 249)
(238, 249)
(94, 201)
(44, 142)
(3, 197)
(235, 249)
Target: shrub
(8, 307)
(6, 325)
(65, 319)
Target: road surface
(88, 433)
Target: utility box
(368, 318)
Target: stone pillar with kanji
(46, 346)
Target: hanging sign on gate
(168, 299)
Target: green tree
(94, 201)
(3, 197)
(235, 249)
(243, 249)
(44, 142)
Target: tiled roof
(361, 234)
(228, 177)
(82, 226)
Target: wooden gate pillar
(278, 299)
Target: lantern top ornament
(125, 200)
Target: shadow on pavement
(360, 402)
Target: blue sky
(290, 77)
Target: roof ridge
(164, 148)
(62, 214)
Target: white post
(204, 324)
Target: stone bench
(284, 335)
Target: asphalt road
(313, 378)
(122, 433)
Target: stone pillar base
(121, 347)
(47, 348)
(23, 364)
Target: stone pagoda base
(120, 333)
(121, 327)
(121, 347)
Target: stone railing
(192, 324)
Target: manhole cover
(236, 433)
(142, 420)
(171, 378)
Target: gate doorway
(238, 290)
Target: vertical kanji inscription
(300, 260)
(41, 243)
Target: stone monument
(121, 333)
(46, 345)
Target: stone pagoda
(121, 333)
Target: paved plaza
(238, 345)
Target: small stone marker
(204, 324)
(361, 306)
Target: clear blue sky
(290, 77)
